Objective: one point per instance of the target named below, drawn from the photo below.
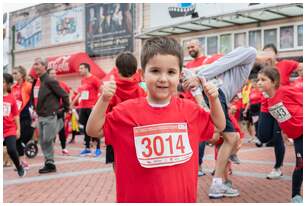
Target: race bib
(6, 109)
(280, 112)
(85, 95)
(19, 103)
(162, 145)
(36, 90)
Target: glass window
(286, 37)
(270, 37)
(255, 39)
(300, 35)
(240, 39)
(225, 43)
(212, 45)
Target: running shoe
(201, 173)
(98, 152)
(21, 171)
(234, 158)
(297, 199)
(218, 191)
(25, 165)
(65, 152)
(275, 174)
(85, 152)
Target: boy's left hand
(17, 134)
(210, 89)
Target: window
(212, 45)
(225, 43)
(240, 39)
(270, 37)
(255, 39)
(300, 35)
(286, 37)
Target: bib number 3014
(162, 145)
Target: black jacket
(49, 96)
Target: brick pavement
(89, 179)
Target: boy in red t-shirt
(127, 81)
(285, 104)
(156, 138)
(11, 124)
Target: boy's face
(161, 76)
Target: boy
(156, 138)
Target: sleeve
(109, 127)
(97, 84)
(55, 87)
(238, 57)
(286, 70)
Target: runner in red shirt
(285, 104)
(11, 124)
(61, 115)
(127, 80)
(268, 128)
(22, 93)
(88, 95)
(156, 138)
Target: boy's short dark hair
(87, 66)
(126, 63)
(163, 46)
(271, 46)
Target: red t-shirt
(298, 83)
(146, 140)
(285, 68)
(16, 91)
(238, 105)
(10, 110)
(196, 62)
(286, 106)
(88, 91)
(255, 96)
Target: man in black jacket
(48, 106)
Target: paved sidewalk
(89, 179)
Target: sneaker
(228, 183)
(297, 199)
(71, 141)
(201, 173)
(21, 171)
(275, 174)
(85, 152)
(47, 168)
(219, 191)
(234, 158)
(98, 152)
(65, 152)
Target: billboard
(67, 25)
(109, 28)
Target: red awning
(68, 64)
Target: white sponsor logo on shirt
(85, 95)
(162, 145)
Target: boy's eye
(172, 72)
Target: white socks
(217, 181)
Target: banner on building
(109, 28)
(28, 33)
(67, 25)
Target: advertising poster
(109, 28)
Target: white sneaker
(275, 174)
(219, 191)
(297, 199)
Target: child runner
(285, 104)
(11, 124)
(156, 138)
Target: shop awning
(69, 64)
(255, 14)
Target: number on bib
(162, 145)
(280, 112)
(6, 109)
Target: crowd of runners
(156, 121)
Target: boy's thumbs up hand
(210, 89)
(109, 89)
